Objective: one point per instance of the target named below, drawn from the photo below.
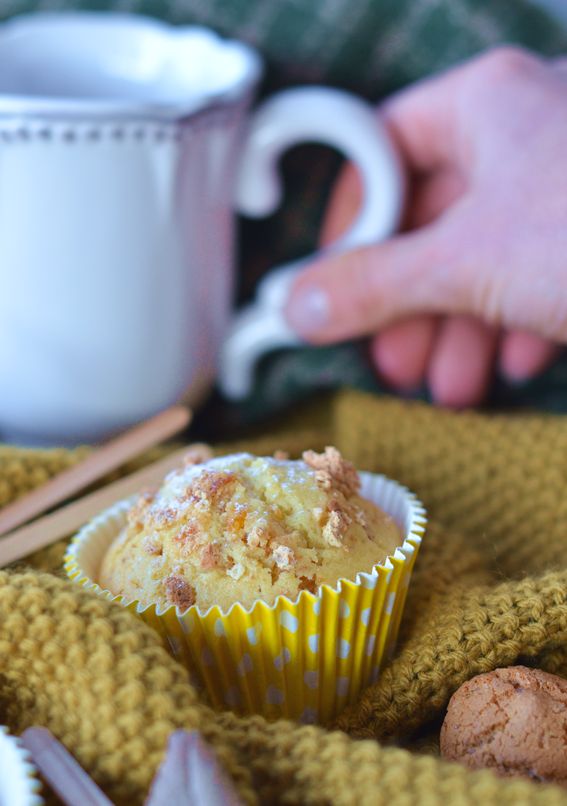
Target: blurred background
(372, 47)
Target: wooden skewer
(191, 774)
(69, 518)
(64, 775)
(102, 461)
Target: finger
(416, 119)
(425, 119)
(401, 114)
(357, 293)
(422, 122)
(432, 194)
(402, 351)
(346, 199)
(462, 363)
(524, 354)
(559, 64)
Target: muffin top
(240, 528)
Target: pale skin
(477, 280)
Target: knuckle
(507, 62)
(486, 299)
(452, 252)
(547, 311)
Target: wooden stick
(68, 519)
(63, 774)
(190, 774)
(102, 461)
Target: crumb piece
(335, 506)
(188, 535)
(200, 503)
(343, 475)
(152, 545)
(179, 592)
(197, 454)
(258, 535)
(324, 479)
(236, 571)
(211, 485)
(211, 556)
(360, 517)
(333, 529)
(308, 584)
(164, 516)
(318, 514)
(284, 557)
(236, 515)
(137, 512)
(281, 456)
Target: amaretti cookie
(513, 721)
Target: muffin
(280, 585)
(242, 528)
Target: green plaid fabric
(371, 47)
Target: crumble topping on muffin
(332, 471)
(240, 528)
(197, 454)
(179, 592)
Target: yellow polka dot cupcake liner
(304, 659)
(19, 779)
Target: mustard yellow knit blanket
(490, 589)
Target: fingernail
(308, 310)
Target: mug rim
(61, 107)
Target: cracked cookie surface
(513, 721)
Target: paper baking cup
(304, 659)
(19, 781)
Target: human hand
(481, 272)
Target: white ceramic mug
(125, 149)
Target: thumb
(343, 296)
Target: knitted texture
(489, 589)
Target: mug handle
(305, 114)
